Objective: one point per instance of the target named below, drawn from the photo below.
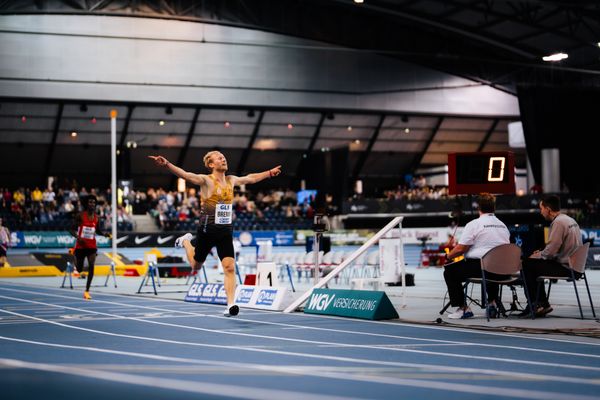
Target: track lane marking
(320, 372)
(514, 361)
(519, 348)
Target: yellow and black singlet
(218, 207)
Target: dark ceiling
(59, 135)
(497, 42)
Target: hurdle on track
(69, 274)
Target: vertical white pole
(402, 266)
(113, 180)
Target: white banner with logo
(262, 297)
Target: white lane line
(320, 372)
(571, 340)
(465, 388)
(473, 331)
(171, 384)
(519, 348)
(312, 342)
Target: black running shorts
(210, 236)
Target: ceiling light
(357, 141)
(73, 134)
(359, 1)
(266, 144)
(227, 124)
(83, 108)
(169, 110)
(598, 44)
(349, 128)
(555, 57)
(23, 118)
(161, 122)
(406, 130)
(94, 120)
(290, 126)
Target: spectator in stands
(564, 237)
(4, 243)
(6, 199)
(73, 196)
(85, 228)
(83, 193)
(124, 221)
(48, 198)
(36, 196)
(67, 207)
(291, 213)
(215, 228)
(19, 197)
(60, 198)
(478, 237)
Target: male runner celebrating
(216, 215)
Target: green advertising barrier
(365, 304)
(49, 239)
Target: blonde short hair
(208, 156)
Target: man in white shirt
(478, 237)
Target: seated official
(564, 237)
(478, 237)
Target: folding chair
(502, 260)
(577, 262)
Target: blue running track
(54, 345)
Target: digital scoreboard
(474, 173)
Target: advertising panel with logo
(351, 303)
(262, 297)
(212, 293)
(278, 238)
(58, 239)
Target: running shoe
(86, 295)
(526, 313)
(231, 311)
(543, 310)
(179, 241)
(461, 314)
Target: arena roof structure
(473, 44)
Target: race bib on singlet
(88, 232)
(223, 213)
